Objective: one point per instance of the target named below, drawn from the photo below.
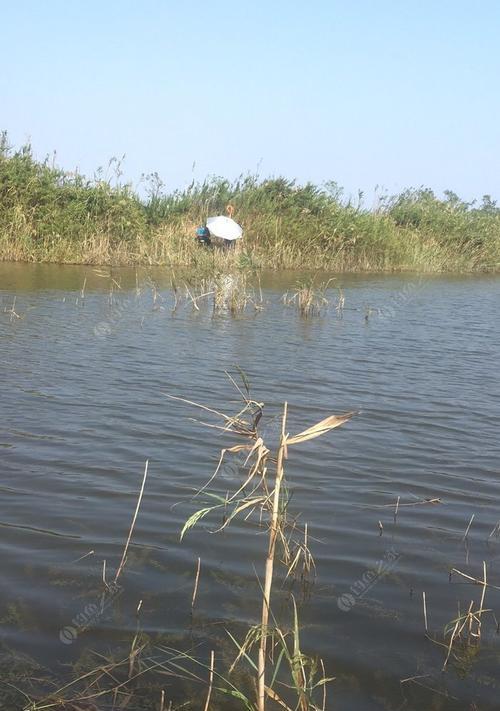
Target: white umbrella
(224, 227)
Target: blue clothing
(203, 235)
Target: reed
(229, 292)
(462, 635)
(132, 526)
(310, 299)
(51, 215)
(263, 493)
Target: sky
(387, 93)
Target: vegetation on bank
(51, 215)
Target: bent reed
(51, 215)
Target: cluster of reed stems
(263, 494)
(310, 298)
(462, 635)
(228, 292)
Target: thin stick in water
(124, 556)
(211, 680)
(195, 590)
(425, 612)
(397, 509)
(496, 530)
(468, 527)
(450, 646)
(83, 556)
(481, 604)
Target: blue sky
(390, 93)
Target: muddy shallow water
(83, 405)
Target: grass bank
(51, 215)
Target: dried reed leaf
(275, 697)
(241, 507)
(320, 428)
(261, 452)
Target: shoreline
(49, 215)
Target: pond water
(83, 403)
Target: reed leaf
(320, 428)
(194, 518)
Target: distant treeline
(49, 214)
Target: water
(83, 397)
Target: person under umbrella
(203, 236)
(225, 228)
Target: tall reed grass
(51, 215)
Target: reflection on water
(82, 396)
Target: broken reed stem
(124, 556)
(397, 509)
(425, 612)
(468, 527)
(496, 530)
(450, 645)
(211, 679)
(195, 590)
(474, 580)
(268, 579)
(323, 706)
(482, 600)
(133, 651)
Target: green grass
(51, 215)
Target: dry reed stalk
(477, 581)
(268, 497)
(450, 644)
(133, 651)
(469, 623)
(323, 706)
(396, 510)
(425, 612)
(195, 590)
(468, 527)
(211, 681)
(104, 574)
(412, 503)
(308, 300)
(495, 531)
(124, 556)
(83, 556)
(481, 604)
(268, 577)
